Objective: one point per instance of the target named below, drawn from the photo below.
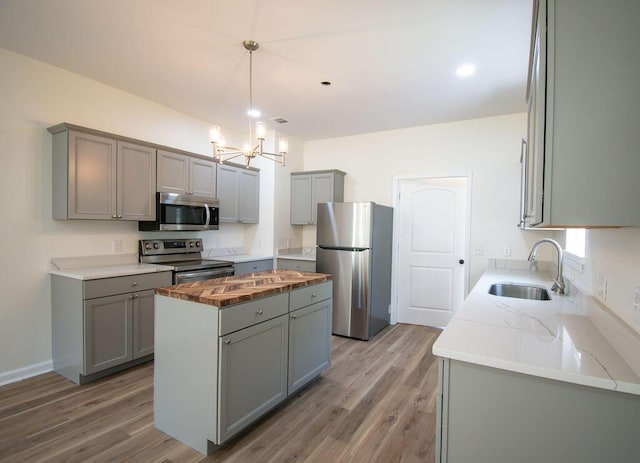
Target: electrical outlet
(480, 251)
(117, 246)
(507, 251)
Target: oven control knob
(147, 245)
(197, 244)
(191, 244)
(156, 245)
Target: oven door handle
(200, 275)
(207, 215)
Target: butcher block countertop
(225, 291)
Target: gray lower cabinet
(100, 177)
(253, 374)
(488, 415)
(241, 268)
(309, 344)
(102, 325)
(238, 190)
(295, 264)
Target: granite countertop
(108, 266)
(225, 291)
(563, 339)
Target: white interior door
(432, 249)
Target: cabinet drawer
(242, 268)
(125, 284)
(300, 265)
(236, 317)
(309, 295)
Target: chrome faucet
(558, 282)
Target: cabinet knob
(135, 283)
(135, 295)
(227, 341)
(114, 216)
(260, 312)
(119, 216)
(293, 317)
(314, 295)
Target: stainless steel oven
(176, 212)
(185, 256)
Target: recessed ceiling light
(465, 70)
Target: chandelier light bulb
(252, 112)
(260, 130)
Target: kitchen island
(229, 350)
(532, 380)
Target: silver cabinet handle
(227, 341)
(260, 312)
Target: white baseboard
(18, 374)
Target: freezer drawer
(350, 270)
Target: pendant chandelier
(223, 153)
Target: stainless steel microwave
(175, 212)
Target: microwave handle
(208, 214)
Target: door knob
(461, 261)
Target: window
(576, 241)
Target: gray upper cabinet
(310, 188)
(581, 157)
(181, 174)
(239, 194)
(100, 177)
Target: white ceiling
(391, 62)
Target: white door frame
(396, 227)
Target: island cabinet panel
(489, 415)
(309, 344)
(253, 374)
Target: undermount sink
(536, 293)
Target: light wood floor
(375, 404)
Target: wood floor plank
(375, 404)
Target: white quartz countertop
(108, 266)
(561, 339)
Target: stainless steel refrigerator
(354, 245)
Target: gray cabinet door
(227, 189)
(248, 196)
(143, 316)
(173, 172)
(300, 199)
(309, 343)
(252, 374)
(242, 268)
(321, 192)
(107, 332)
(92, 177)
(202, 178)
(299, 265)
(136, 179)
